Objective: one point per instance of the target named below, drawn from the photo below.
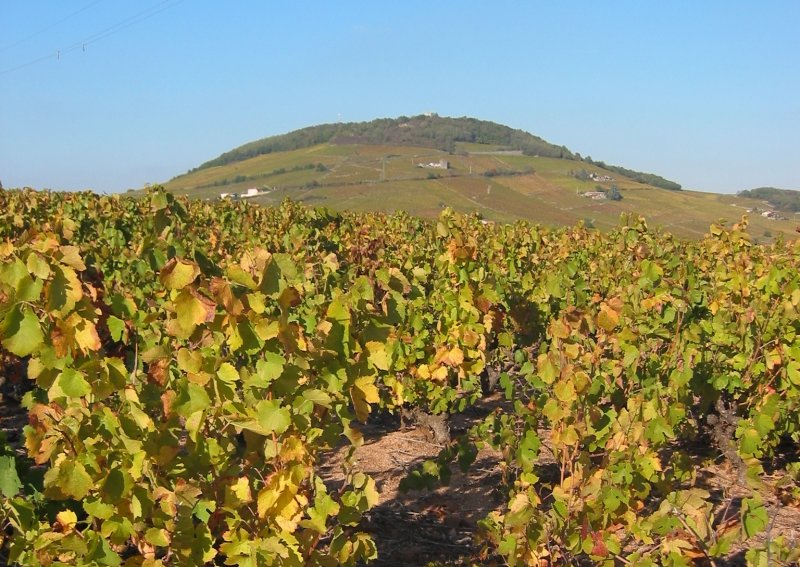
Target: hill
(418, 165)
(785, 200)
(427, 131)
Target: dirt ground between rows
(422, 526)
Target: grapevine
(188, 367)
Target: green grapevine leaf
(191, 398)
(272, 418)
(73, 383)
(22, 334)
(227, 373)
(67, 479)
(754, 516)
(318, 397)
(116, 327)
(10, 483)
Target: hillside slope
(500, 184)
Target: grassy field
(538, 189)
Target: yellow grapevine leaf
(71, 256)
(191, 310)
(607, 318)
(454, 357)
(440, 374)
(364, 392)
(177, 274)
(238, 493)
(378, 355)
(66, 521)
(86, 336)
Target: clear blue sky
(706, 93)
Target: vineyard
(186, 369)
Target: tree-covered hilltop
(430, 131)
(781, 199)
(426, 130)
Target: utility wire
(109, 31)
(126, 23)
(51, 26)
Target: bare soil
(423, 526)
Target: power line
(29, 63)
(51, 26)
(126, 23)
(107, 32)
